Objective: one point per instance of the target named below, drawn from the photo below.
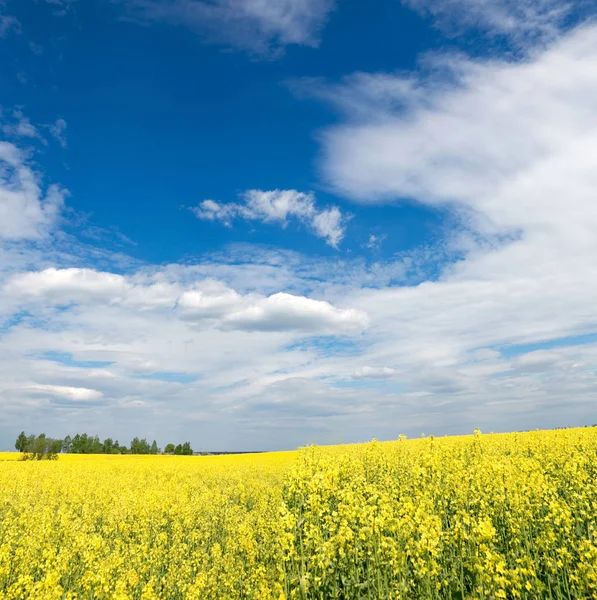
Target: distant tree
(79, 444)
(54, 446)
(83, 443)
(75, 444)
(96, 446)
(21, 443)
(86, 444)
(139, 446)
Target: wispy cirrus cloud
(522, 21)
(61, 7)
(8, 24)
(278, 206)
(15, 125)
(261, 27)
(57, 130)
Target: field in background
(482, 516)
(10, 455)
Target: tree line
(43, 447)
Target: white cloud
(57, 129)
(63, 286)
(211, 300)
(278, 206)
(270, 388)
(26, 211)
(9, 23)
(74, 394)
(507, 147)
(208, 301)
(62, 6)
(375, 241)
(522, 20)
(329, 224)
(260, 26)
(17, 125)
(284, 312)
(374, 373)
(497, 122)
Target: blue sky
(259, 224)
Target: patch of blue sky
(14, 320)
(328, 346)
(66, 359)
(514, 350)
(25, 317)
(170, 377)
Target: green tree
(66, 444)
(154, 448)
(96, 446)
(178, 449)
(55, 446)
(186, 449)
(169, 449)
(140, 446)
(80, 444)
(86, 444)
(108, 446)
(21, 443)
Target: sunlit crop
(481, 516)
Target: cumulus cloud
(26, 210)
(281, 312)
(278, 206)
(74, 394)
(261, 27)
(63, 286)
(209, 301)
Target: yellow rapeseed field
(480, 516)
